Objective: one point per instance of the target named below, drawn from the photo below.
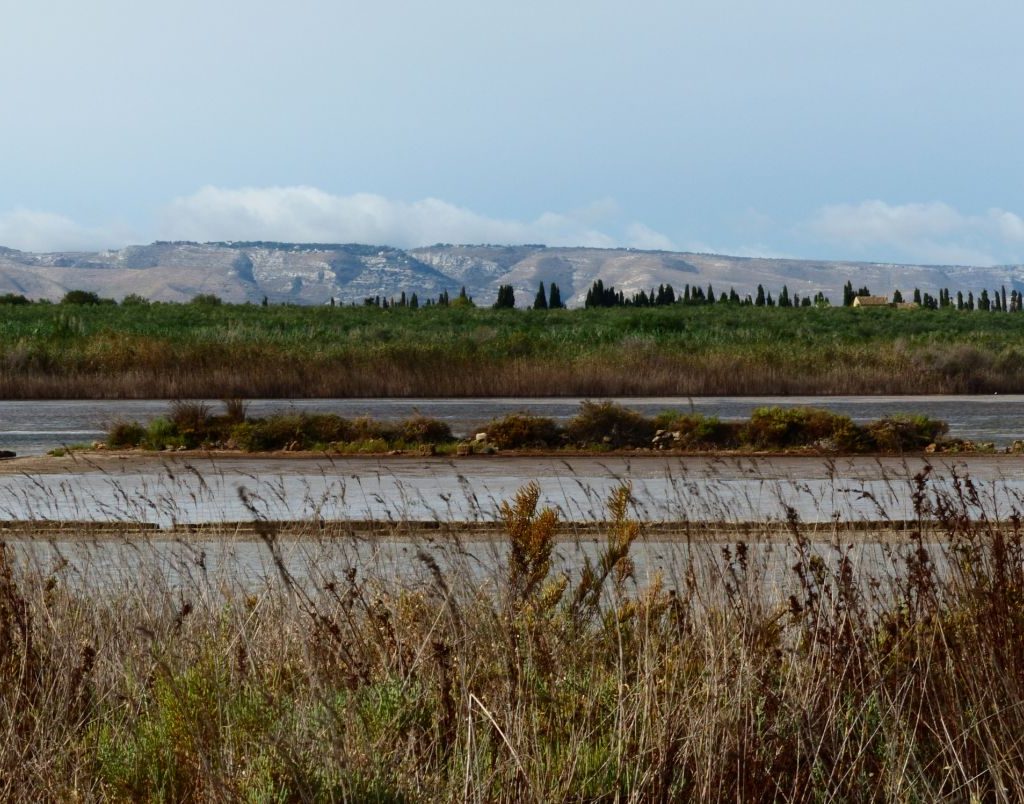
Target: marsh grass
(196, 351)
(767, 667)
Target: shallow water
(34, 427)
(170, 492)
(224, 566)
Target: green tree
(541, 300)
(506, 298)
(80, 297)
(554, 298)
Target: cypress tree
(759, 301)
(554, 298)
(541, 300)
(506, 297)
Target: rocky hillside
(315, 273)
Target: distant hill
(313, 273)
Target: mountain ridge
(315, 273)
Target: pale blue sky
(877, 130)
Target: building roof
(871, 301)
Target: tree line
(601, 295)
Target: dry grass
(752, 672)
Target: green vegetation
(212, 351)
(191, 425)
(758, 672)
(597, 426)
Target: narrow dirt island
(597, 428)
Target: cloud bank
(931, 232)
(32, 230)
(307, 214)
(923, 232)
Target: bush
(206, 300)
(903, 433)
(162, 434)
(424, 430)
(701, 432)
(125, 434)
(235, 410)
(611, 424)
(519, 430)
(779, 428)
(292, 430)
(192, 421)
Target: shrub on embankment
(191, 425)
(895, 681)
(597, 426)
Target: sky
(886, 131)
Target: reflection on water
(34, 427)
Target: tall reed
(751, 669)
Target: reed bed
(782, 663)
(196, 351)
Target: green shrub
(903, 433)
(162, 434)
(779, 428)
(697, 431)
(366, 429)
(323, 428)
(519, 430)
(192, 421)
(611, 424)
(296, 430)
(424, 430)
(124, 434)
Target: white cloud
(641, 236)
(307, 214)
(31, 230)
(923, 232)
